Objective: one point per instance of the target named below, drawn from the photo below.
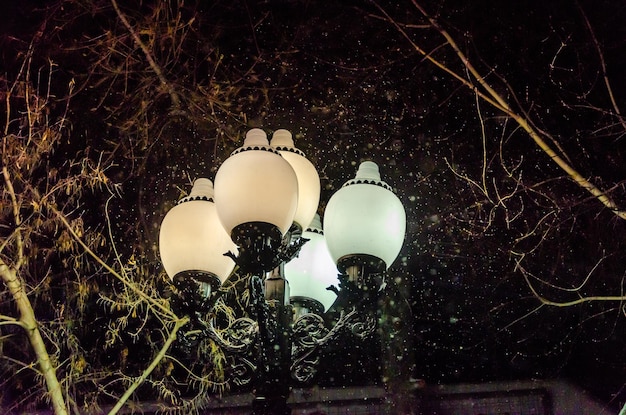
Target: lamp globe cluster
(265, 192)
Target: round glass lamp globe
(308, 179)
(192, 238)
(313, 270)
(256, 184)
(365, 217)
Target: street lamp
(260, 221)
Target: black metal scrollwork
(309, 332)
(269, 347)
(242, 371)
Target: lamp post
(258, 217)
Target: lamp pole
(272, 386)
(264, 197)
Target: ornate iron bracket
(270, 347)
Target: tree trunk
(29, 323)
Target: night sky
(500, 238)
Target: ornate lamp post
(258, 218)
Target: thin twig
(603, 65)
(581, 300)
(155, 67)
(495, 99)
(127, 283)
(157, 359)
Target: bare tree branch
(157, 359)
(497, 101)
(29, 323)
(605, 76)
(155, 67)
(161, 306)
